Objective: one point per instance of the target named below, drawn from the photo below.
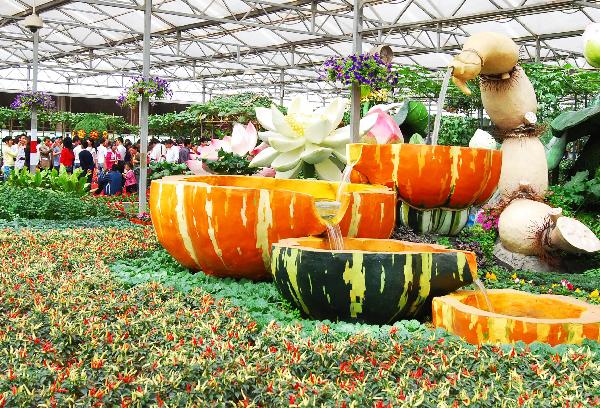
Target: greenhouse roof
(209, 47)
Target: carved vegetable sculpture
(526, 226)
(225, 225)
(518, 316)
(509, 99)
(529, 227)
(373, 281)
(429, 177)
(485, 53)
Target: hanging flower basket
(369, 71)
(154, 88)
(28, 100)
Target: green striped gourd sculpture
(436, 221)
(371, 280)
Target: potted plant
(28, 100)
(154, 88)
(367, 70)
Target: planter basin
(519, 316)
(372, 280)
(428, 177)
(225, 225)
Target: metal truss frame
(210, 47)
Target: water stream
(329, 209)
(334, 234)
(483, 291)
(344, 182)
(440, 107)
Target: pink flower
(266, 172)
(385, 130)
(210, 151)
(241, 142)
(197, 167)
(259, 148)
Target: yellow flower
(577, 290)
(554, 285)
(595, 294)
(490, 276)
(514, 276)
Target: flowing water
(440, 107)
(329, 209)
(483, 291)
(344, 182)
(334, 234)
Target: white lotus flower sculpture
(306, 139)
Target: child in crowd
(130, 179)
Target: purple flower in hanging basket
(28, 100)
(154, 88)
(363, 69)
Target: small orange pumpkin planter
(427, 177)
(517, 316)
(225, 225)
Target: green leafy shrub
(55, 180)
(91, 122)
(231, 163)
(162, 169)
(37, 203)
(578, 192)
(457, 130)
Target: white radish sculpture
(525, 226)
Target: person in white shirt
(89, 146)
(158, 152)
(101, 155)
(172, 152)
(77, 148)
(21, 158)
(120, 147)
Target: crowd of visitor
(115, 163)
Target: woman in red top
(113, 157)
(67, 158)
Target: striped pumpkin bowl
(427, 177)
(517, 316)
(225, 225)
(375, 281)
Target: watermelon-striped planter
(225, 225)
(428, 177)
(518, 316)
(436, 221)
(373, 281)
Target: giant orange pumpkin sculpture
(517, 316)
(225, 225)
(426, 176)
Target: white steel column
(33, 144)
(144, 109)
(356, 49)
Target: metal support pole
(538, 49)
(203, 92)
(33, 142)
(281, 87)
(356, 49)
(144, 105)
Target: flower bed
(74, 335)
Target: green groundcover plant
(39, 203)
(72, 336)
